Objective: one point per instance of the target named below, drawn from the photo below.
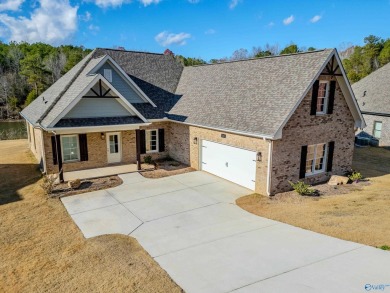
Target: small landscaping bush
(385, 247)
(302, 188)
(48, 183)
(355, 177)
(148, 160)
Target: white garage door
(233, 164)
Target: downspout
(270, 149)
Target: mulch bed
(87, 185)
(324, 189)
(165, 168)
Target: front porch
(105, 171)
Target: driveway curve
(190, 225)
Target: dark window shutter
(330, 157)
(54, 150)
(83, 144)
(142, 141)
(332, 90)
(302, 169)
(314, 95)
(161, 140)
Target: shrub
(385, 247)
(302, 188)
(355, 176)
(48, 183)
(148, 160)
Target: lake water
(13, 130)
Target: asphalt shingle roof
(252, 96)
(377, 91)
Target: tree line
(26, 70)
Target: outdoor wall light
(102, 135)
(195, 140)
(259, 157)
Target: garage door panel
(231, 163)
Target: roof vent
(43, 100)
(364, 93)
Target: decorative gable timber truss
(124, 75)
(99, 79)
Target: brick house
(258, 123)
(373, 96)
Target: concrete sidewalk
(190, 225)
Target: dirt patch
(165, 168)
(42, 250)
(87, 185)
(358, 213)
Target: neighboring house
(373, 96)
(258, 123)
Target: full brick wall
(305, 129)
(183, 148)
(97, 152)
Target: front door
(114, 152)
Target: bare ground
(359, 213)
(167, 168)
(42, 250)
(87, 185)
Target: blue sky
(195, 28)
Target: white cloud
(11, 5)
(52, 22)
(148, 2)
(233, 3)
(86, 17)
(94, 28)
(118, 3)
(110, 3)
(271, 24)
(315, 18)
(288, 20)
(210, 31)
(165, 38)
(194, 1)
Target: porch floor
(104, 171)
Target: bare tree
(55, 63)
(239, 54)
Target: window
(151, 141)
(70, 148)
(108, 74)
(114, 145)
(377, 129)
(322, 99)
(316, 158)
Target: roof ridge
(56, 99)
(129, 51)
(261, 58)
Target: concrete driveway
(190, 225)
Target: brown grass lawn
(41, 249)
(362, 215)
